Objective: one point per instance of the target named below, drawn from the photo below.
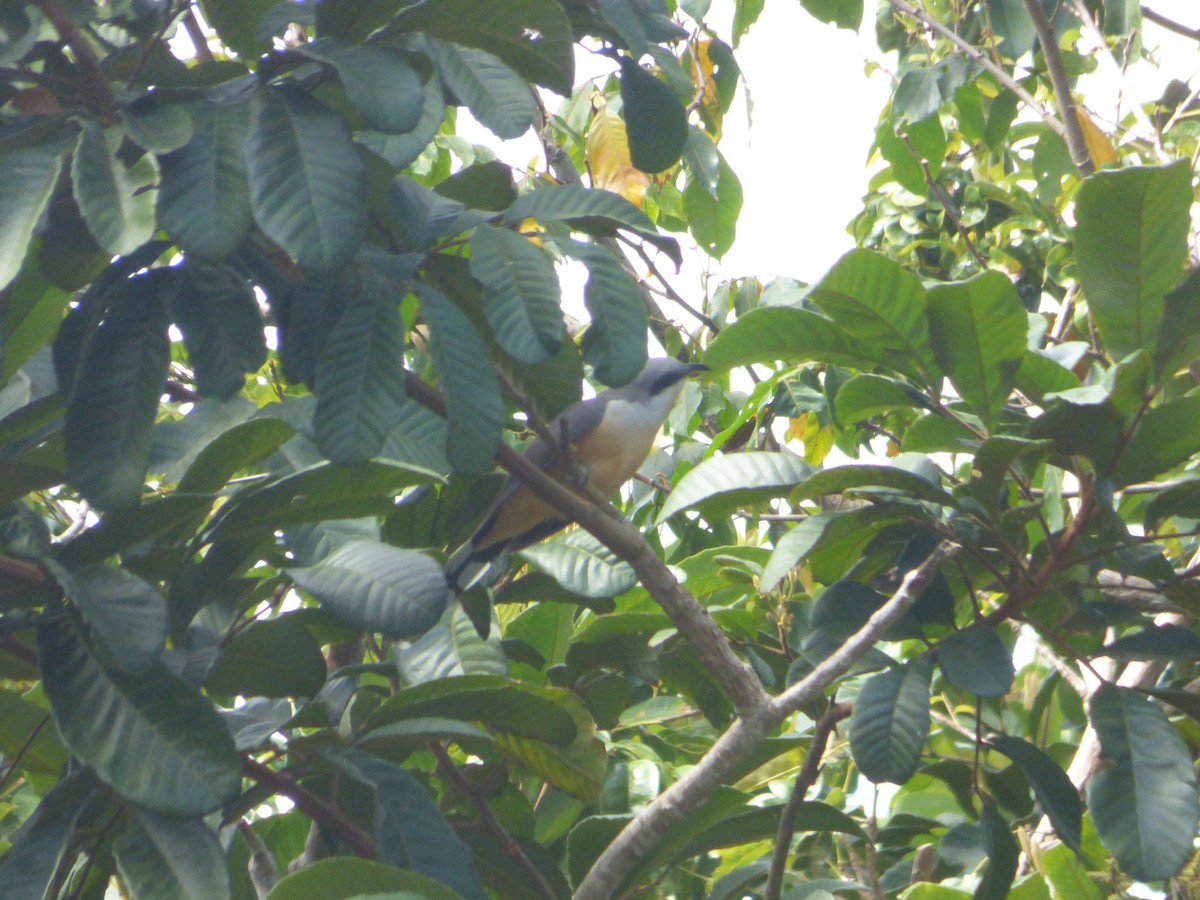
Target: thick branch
(1170, 24)
(974, 53)
(806, 778)
(692, 791)
(597, 516)
(92, 80)
(1062, 86)
(312, 806)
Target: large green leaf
(307, 180)
(843, 13)
(25, 739)
(578, 767)
(655, 121)
(271, 658)
(616, 338)
(1003, 853)
(217, 312)
(521, 293)
(452, 647)
(866, 396)
(312, 494)
(27, 179)
(496, 95)
(115, 398)
(976, 660)
(239, 24)
(399, 593)
(410, 831)
(343, 877)
(541, 713)
(127, 615)
(782, 332)
(400, 150)
(882, 306)
(149, 736)
(577, 205)
(1165, 437)
(891, 721)
(734, 479)
(360, 380)
(1143, 800)
(162, 856)
(232, 451)
(582, 565)
(1054, 791)
(978, 328)
(712, 219)
(875, 480)
(204, 197)
(31, 317)
(475, 410)
(1155, 642)
(377, 81)
(115, 200)
(532, 36)
(1068, 874)
(1130, 243)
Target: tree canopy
(903, 605)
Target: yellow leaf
(531, 230)
(707, 87)
(818, 442)
(796, 428)
(608, 158)
(1099, 147)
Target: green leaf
(616, 338)
(917, 95)
(991, 470)
(883, 307)
(360, 380)
(160, 856)
(378, 82)
(401, 150)
(496, 95)
(655, 121)
(25, 738)
(452, 647)
(1067, 874)
(1179, 331)
(1144, 800)
(1165, 437)
(112, 407)
(1130, 243)
(174, 754)
(239, 24)
(713, 219)
(541, 713)
(374, 587)
(271, 658)
(578, 768)
(773, 333)
(27, 179)
(891, 721)
(1012, 25)
(976, 660)
(843, 13)
(233, 451)
(1182, 499)
(1155, 642)
(866, 396)
(978, 328)
(885, 481)
(577, 205)
(1003, 852)
(410, 831)
(735, 479)
(30, 319)
(582, 565)
(1054, 791)
(521, 294)
(702, 160)
(222, 327)
(475, 410)
(310, 495)
(342, 877)
(532, 36)
(307, 180)
(157, 125)
(41, 845)
(128, 615)
(115, 200)
(485, 185)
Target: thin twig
(946, 201)
(507, 842)
(1062, 87)
(670, 291)
(1170, 24)
(805, 779)
(975, 54)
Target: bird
(610, 435)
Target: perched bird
(610, 434)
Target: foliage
(268, 318)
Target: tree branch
(1062, 87)
(92, 81)
(692, 791)
(1170, 24)
(805, 779)
(312, 806)
(975, 54)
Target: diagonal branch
(92, 80)
(1062, 87)
(1170, 24)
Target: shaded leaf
(41, 844)
(891, 721)
(496, 95)
(1054, 791)
(160, 856)
(343, 877)
(1155, 642)
(712, 219)
(582, 565)
(1003, 852)
(616, 338)
(27, 179)
(128, 615)
(735, 479)
(270, 658)
(377, 81)
(655, 121)
(976, 660)
(114, 200)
